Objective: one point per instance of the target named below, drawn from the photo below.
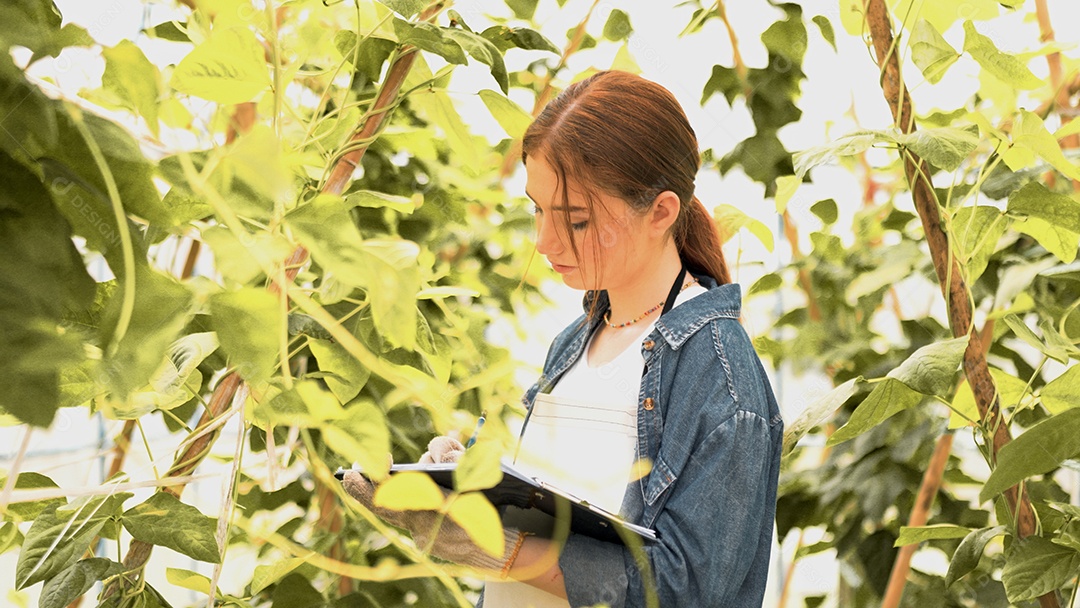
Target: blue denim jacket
(709, 424)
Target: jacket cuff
(594, 572)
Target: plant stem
(13, 472)
(127, 306)
(949, 274)
(547, 89)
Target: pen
(479, 425)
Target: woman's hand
(443, 449)
(446, 538)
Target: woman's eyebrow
(559, 207)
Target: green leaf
(828, 247)
(787, 39)
(305, 405)
(1041, 449)
(1026, 334)
(10, 537)
(969, 552)
(431, 38)
(786, 186)
(186, 579)
(77, 579)
(479, 468)
(826, 211)
(28, 480)
(942, 15)
(60, 535)
(409, 491)
(161, 310)
(1035, 566)
(1004, 66)
(248, 323)
(169, 30)
(897, 265)
(135, 81)
(930, 51)
(617, 27)
(910, 535)
(438, 108)
(386, 269)
(478, 517)
(523, 9)
(518, 37)
(1069, 535)
(361, 436)
(29, 116)
(242, 261)
(164, 520)
(41, 277)
(731, 220)
(1012, 391)
(35, 24)
(78, 187)
(510, 116)
(826, 28)
(1034, 200)
(265, 576)
(228, 68)
(889, 397)
(1030, 133)
(381, 200)
(767, 283)
(1061, 242)
(484, 51)
(820, 410)
(944, 147)
(1063, 392)
(68, 36)
(723, 80)
(848, 145)
(258, 160)
(931, 370)
(976, 232)
(405, 8)
(343, 374)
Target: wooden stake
(948, 269)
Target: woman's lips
(559, 268)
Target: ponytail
(698, 240)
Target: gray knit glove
(443, 449)
(452, 543)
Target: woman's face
(610, 239)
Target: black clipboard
(520, 490)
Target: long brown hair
(629, 136)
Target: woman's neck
(649, 284)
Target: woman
(656, 384)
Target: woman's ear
(665, 210)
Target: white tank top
(582, 438)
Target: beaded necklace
(607, 315)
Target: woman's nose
(548, 240)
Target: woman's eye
(579, 225)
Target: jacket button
(649, 403)
(648, 344)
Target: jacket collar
(720, 301)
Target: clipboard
(520, 490)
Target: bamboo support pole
(948, 270)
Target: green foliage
(164, 520)
(379, 343)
